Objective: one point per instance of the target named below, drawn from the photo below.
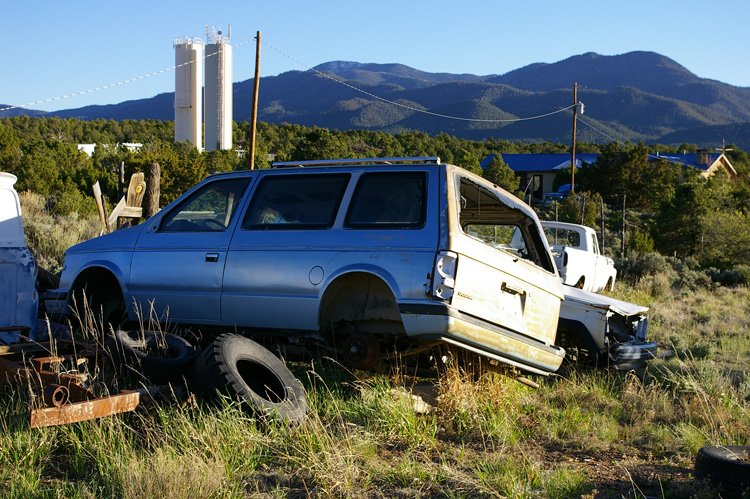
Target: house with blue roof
(707, 163)
(537, 171)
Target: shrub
(641, 242)
(737, 276)
(637, 266)
(49, 235)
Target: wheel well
(574, 333)
(99, 286)
(358, 297)
(581, 282)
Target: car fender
(374, 270)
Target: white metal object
(218, 79)
(188, 98)
(18, 269)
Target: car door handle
(212, 257)
(514, 290)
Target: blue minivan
(368, 257)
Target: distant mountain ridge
(634, 96)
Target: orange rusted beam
(84, 411)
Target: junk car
(18, 269)
(366, 256)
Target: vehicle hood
(603, 302)
(123, 239)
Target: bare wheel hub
(361, 351)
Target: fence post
(153, 191)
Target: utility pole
(601, 201)
(254, 112)
(622, 237)
(573, 147)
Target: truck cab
(18, 270)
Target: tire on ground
(727, 466)
(161, 357)
(242, 369)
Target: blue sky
(52, 48)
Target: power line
(329, 76)
(599, 131)
(111, 85)
(411, 108)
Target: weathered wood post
(121, 180)
(153, 191)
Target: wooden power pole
(573, 146)
(254, 112)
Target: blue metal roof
(687, 159)
(523, 163)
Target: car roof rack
(353, 161)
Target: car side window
(296, 202)
(209, 209)
(389, 200)
(594, 244)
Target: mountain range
(637, 96)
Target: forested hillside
(638, 96)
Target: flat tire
(161, 357)
(242, 369)
(726, 466)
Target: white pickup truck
(576, 252)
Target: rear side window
(562, 237)
(295, 202)
(389, 200)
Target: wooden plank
(98, 198)
(85, 411)
(132, 212)
(117, 212)
(136, 189)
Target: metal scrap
(57, 370)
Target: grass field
(584, 433)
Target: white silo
(188, 108)
(218, 122)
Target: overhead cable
(321, 73)
(412, 108)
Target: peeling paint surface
(18, 270)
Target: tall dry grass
(482, 434)
(50, 235)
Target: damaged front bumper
(631, 355)
(612, 331)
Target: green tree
(570, 209)
(500, 174)
(320, 143)
(678, 225)
(625, 170)
(465, 159)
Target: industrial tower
(188, 98)
(218, 123)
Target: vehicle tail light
(444, 276)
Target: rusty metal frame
(40, 367)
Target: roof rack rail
(352, 161)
